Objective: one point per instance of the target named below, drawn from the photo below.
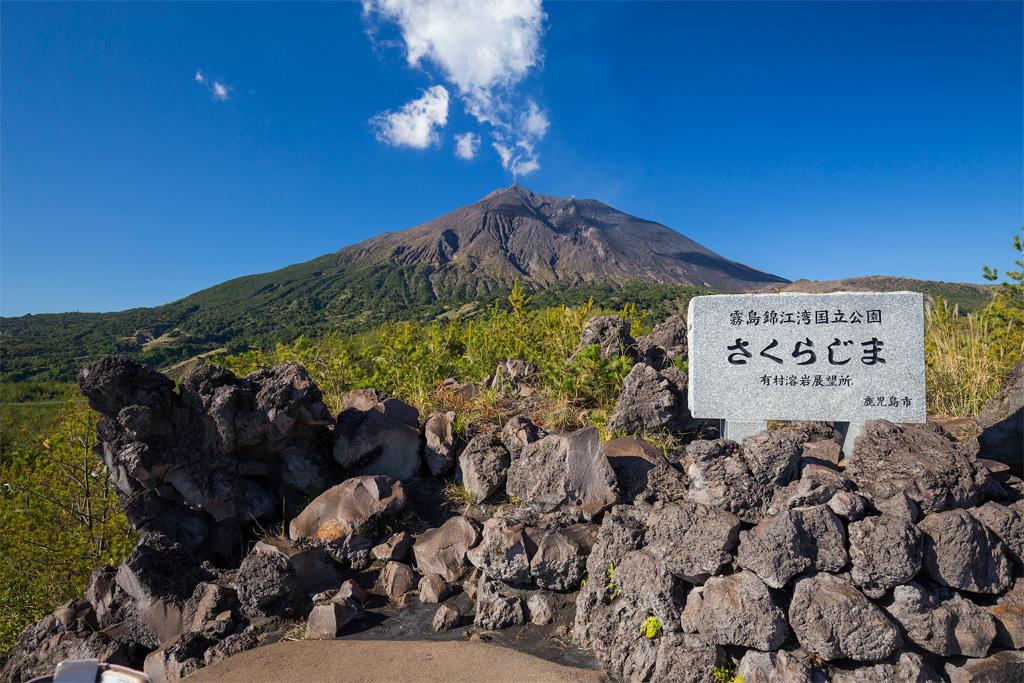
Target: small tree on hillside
(1010, 294)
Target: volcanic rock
(650, 401)
(541, 608)
(519, 432)
(382, 438)
(159, 576)
(695, 540)
(885, 551)
(1007, 524)
(666, 344)
(773, 667)
(686, 658)
(397, 579)
(505, 550)
(200, 465)
(433, 589)
(559, 562)
(781, 546)
(961, 552)
(643, 473)
(942, 622)
(232, 645)
(906, 667)
(352, 507)
(1002, 422)
(1008, 613)
(742, 480)
(446, 618)
(483, 465)
(68, 633)
(922, 461)
(495, 611)
(329, 619)
(442, 550)
(277, 577)
(396, 547)
(177, 658)
(438, 448)
(512, 375)
(834, 620)
(564, 470)
(610, 334)
(740, 610)
(1000, 667)
(208, 600)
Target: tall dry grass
(966, 358)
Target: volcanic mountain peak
(545, 240)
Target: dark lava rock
(904, 667)
(740, 610)
(68, 633)
(742, 480)
(442, 550)
(483, 465)
(495, 611)
(942, 622)
(781, 546)
(177, 658)
(1000, 667)
(201, 466)
(1007, 523)
(279, 578)
(834, 620)
(438, 447)
(961, 552)
(378, 437)
(354, 506)
(1002, 423)
(885, 551)
(505, 549)
(696, 541)
(643, 473)
(650, 401)
(610, 333)
(922, 461)
(564, 471)
(666, 344)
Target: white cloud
(414, 124)
(480, 45)
(535, 122)
(220, 91)
(519, 159)
(466, 145)
(484, 49)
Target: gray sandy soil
(355, 661)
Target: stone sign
(845, 357)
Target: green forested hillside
(326, 294)
(306, 299)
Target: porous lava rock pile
(775, 557)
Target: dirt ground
(372, 661)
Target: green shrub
(59, 519)
(409, 360)
(651, 628)
(726, 674)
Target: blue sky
(814, 140)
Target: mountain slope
(968, 297)
(471, 254)
(513, 233)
